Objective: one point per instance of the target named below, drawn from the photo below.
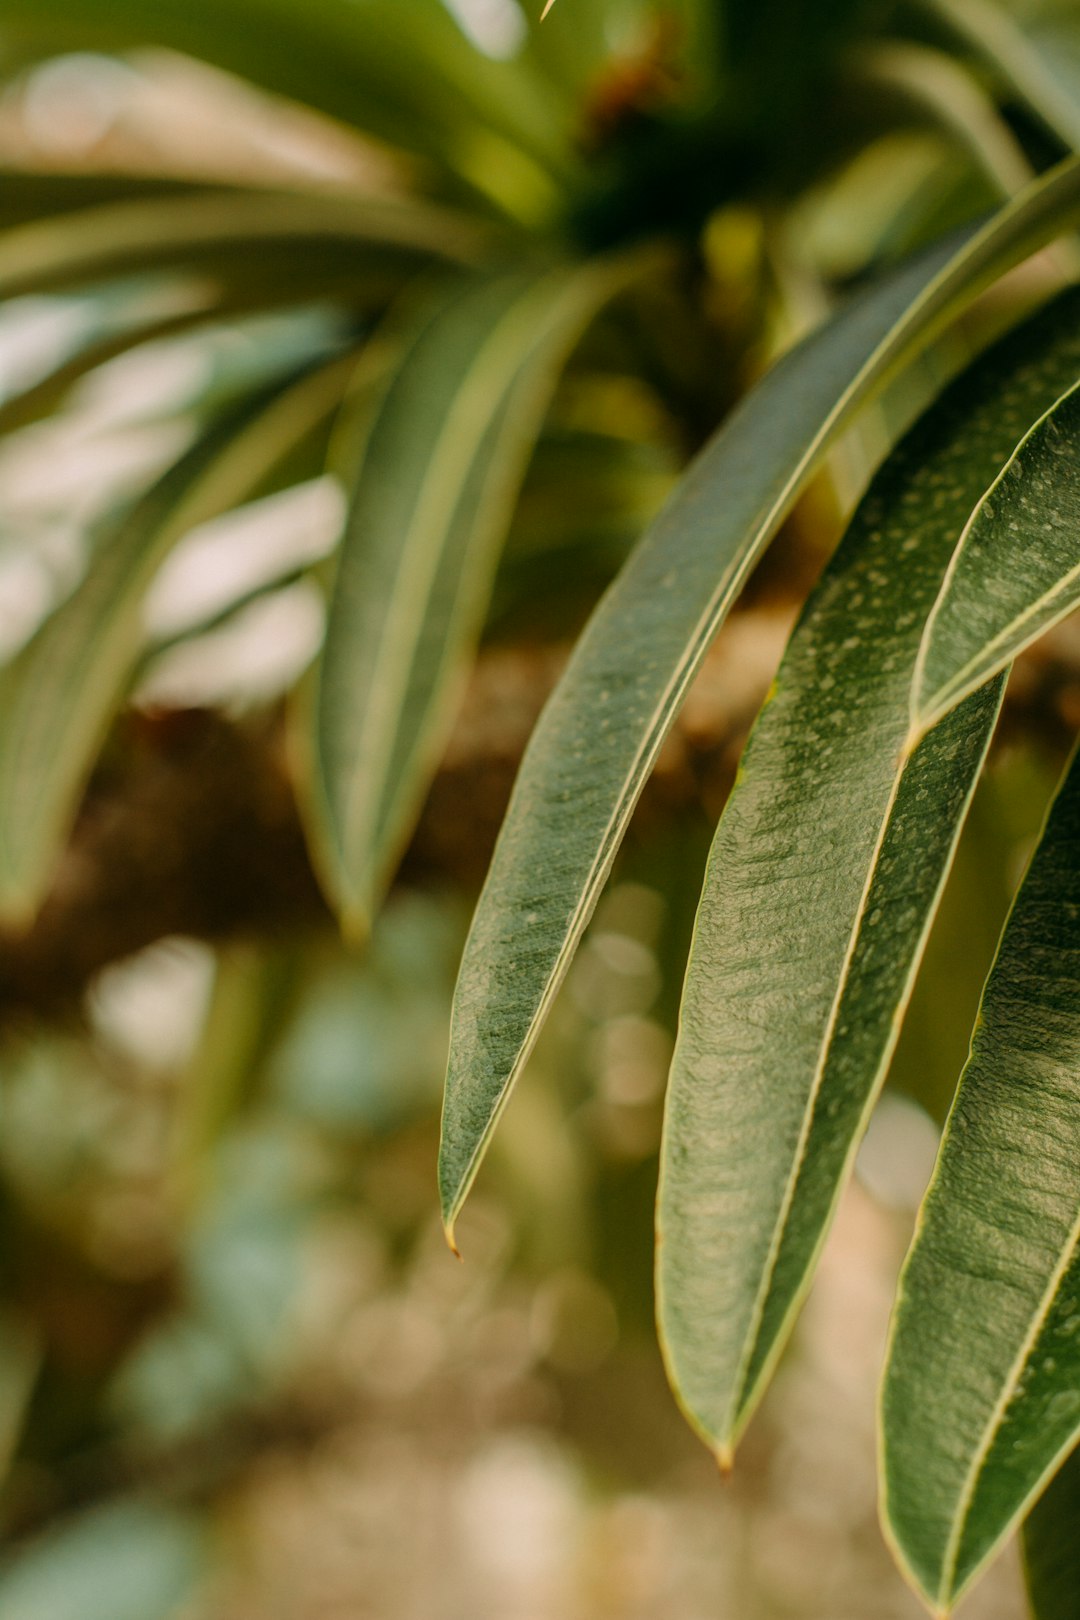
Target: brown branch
(190, 824)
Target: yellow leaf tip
(546, 9)
(451, 1241)
(725, 1460)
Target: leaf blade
(759, 461)
(1016, 569)
(792, 1006)
(58, 695)
(979, 1402)
(442, 463)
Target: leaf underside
(823, 880)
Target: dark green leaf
(1016, 570)
(981, 1399)
(599, 736)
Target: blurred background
(241, 1376)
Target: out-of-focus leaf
(58, 696)
(1051, 1547)
(1027, 57)
(1015, 571)
(125, 237)
(822, 883)
(132, 1561)
(404, 73)
(981, 1399)
(433, 490)
(600, 734)
(938, 88)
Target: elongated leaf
(603, 727)
(58, 696)
(822, 882)
(1052, 1547)
(981, 1399)
(127, 236)
(1016, 570)
(442, 463)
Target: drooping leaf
(126, 237)
(1029, 54)
(433, 491)
(1051, 1547)
(1015, 572)
(981, 1398)
(602, 729)
(58, 696)
(822, 882)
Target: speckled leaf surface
(1015, 572)
(981, 1398)
(603, 727)
(57, 697)
(822, 882)
(1051, 1547)
(433, 491)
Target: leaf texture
(603, 727)
(1015, 572)
(433, 492)
(981, 1398)
(57, 697)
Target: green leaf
(441, 466)
(981, 1399)
(603, 727)
(1051, 1547)
(826, 871)
(128, 236)
(1016, 569)
(58, 696)
(1030, 57)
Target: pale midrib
(914, 329)
(1000, 1407)
(981, 665)
(448, 470)
(987, 662)
(748, 1392)
(799, 1157)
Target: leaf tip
(451, 1240)
(546, 9)
(725, 1460)
(355, 923)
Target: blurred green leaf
(981, 1398)
(125, 237)
(792, 1006)
(433, 490)
(600, 734)
(58, 696)
(1015, 571)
